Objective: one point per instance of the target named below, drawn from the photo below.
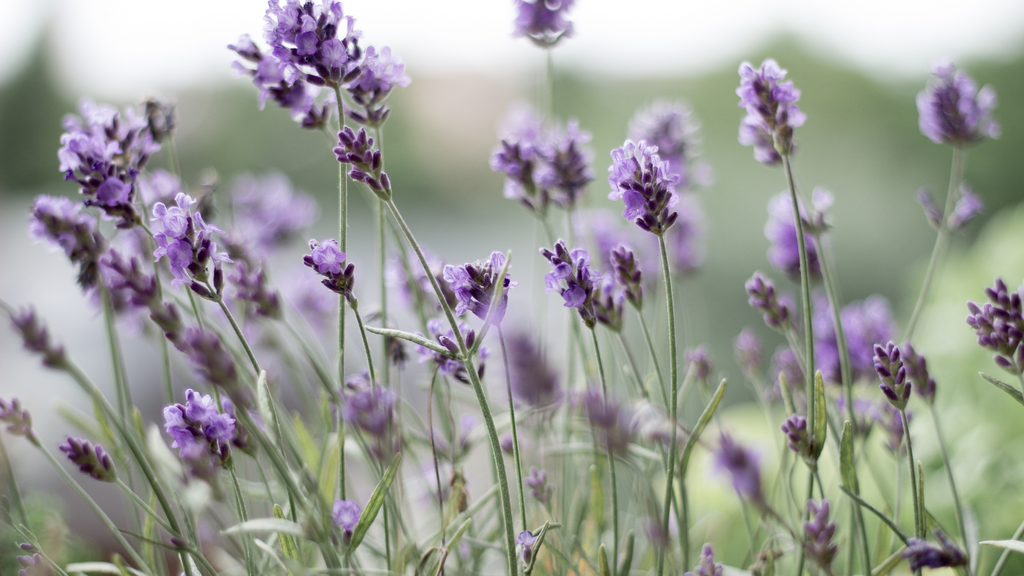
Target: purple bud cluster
(539, 487)
(785, 364)
(646, 186)
(446, 363)
(371, 408)
(818, 534)
(543, 21)
(379, 73)
(250, 284)
(103, 151)
(213, 363)
(800, 439)
(889, 418)
(474, 287)
(62, 223)
(747, 349)
(329, 261)
(707, 565)
(18, 419)
(346, 516)
(201, 433)
(526, 539)
(367, 163)
(36, 338)
(573, 278)
(743, 467)
(917, 372)
(612, 422)
(699, 360)
(762, 297)
(628, 274)
(953, 111)
(187, 242)
(533, 382)
(91, 459)
(609, 304)
(893, 374)
(126, 278)
(33, 565)
(921, 554)
(966, 208)
(772, 113)
(999, 324)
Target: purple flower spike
(747, 348)
(36, 338)
(346, 516)
(780, 229)
(917, 373)
(818, 534)
(329, 261)
(786, 364)
(865, 323)
(268, 213)
(526, 539)
(33, 565)
(800, 439)
(201, 434)
(628, 274)
(474, 287)
(646, 186)
(367, 163)
(534, 384)
(574, 279)
(892, 373)
(18, 419)
(743, 466)
(892, 423)
(772, 113)
(966, 208)
(612, 423)
(700, 361)
(921, 554)
(672, 128)
(763, 298)
(62, 223)
(538, 483)
(707, 566)
(213, 363)
(250, 283)
(543, 21)
(91, 459)
(186, 240)
(565, 170)
(446, 363)
(999, 325)
(608, 305)
(379, 73)
(953, 111)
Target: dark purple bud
(921, 554)
(36, 338)
(91, 459)
(818, 534)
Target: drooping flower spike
(367, 163)
(62, 223)
(91, 458)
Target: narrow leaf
(1011, 390)
(287, 543)
(458, 533)
(820, 415)
(846, 465)
(1014, 545)
(266, 410)
(702, 423)
(279, 525)
(973, 534)
(627, 555)
(269, 551)
(414, 338)
(310, 451)
(596, 497)
(99, 568)
(603, 561)
(373, 505)
(881, 516)
(787, 394)
(888, 564)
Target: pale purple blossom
(543, 21)
(707, 566)
(644, 183)
(186, 240)
(565, 170)
(346, 516)
(573, 278)
(379, 73)
(533, 382)
(611, 421)
(268, 213)
(62, 223)
(772, 113)
(327, 260)
(999, 325)
(921, 554)
(818, 534)
(864, 324)
(743, 466)
(671, 127)
(780, 229)
(474, 286)
(953, 111)
(200, 432)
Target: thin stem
(550, 69)
(382, 256)
(144, 506)
(805, 289)
(632, 366)
(515, 434)
(654, 355)
(342, 235)
(957, 506)
(124, 396)
(241, 336)
(673, 377)
(244, 516)
(1006, 551)
(433, 454)
(366, 343)
(611, 457)
(918, 519)
(12, 483)
(956, 173)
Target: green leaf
(267, 412)
(458, 533)
(627, 555)
(1014, 545)
(414, 338)
(1011, 390)
(787, 394)
(702, 423)
(602, 556)
(846, 465)
(820, 416)
(287, 543)
(99, 568)
(373, 505)
(310, 451)
(279, 525)
(888, 564)
(596, 497)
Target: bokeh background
(859, 69)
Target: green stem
(241, 336)
(12, 483)
(382, 256)
(144, 506)
(354, 304)
(633, 367)
(124, 395)
(654, 355)
(674, 400)
(805, 289)
(342, 235)
(806, 517)
(918, 518)
(244, 516)
(957, 506)
(550, 70)
(515, 434)
(956, 174)
(611, 458)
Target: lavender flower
(932, 212)
(743, 466)
(818, 534)
(772, 113)
(250, 283)
(707, 566)
(62, 223)
(953, 111)
(572, 268)
(33, 565)
(628, 274)
(785, 364)
(378, 75)
(526, 539)
(91, 459)
(125, 277)
(367, 163)
(268, 213)
(893, 375)
(780, 229)
(543, 21)
(699, 360)
(642, 180)
(519, 158)
(800, 439)
(414, 283)
(966, 208)
(747, 348)
(447, 364)
(103, 151)
(213, 363)
(565, 171)
(240, 439)
(533, 382)
(999, 325)
(18, 419)
(608, 305)
(187, 243)
(917, 372)
(474, 287)
(346, 516)
(329, 261)
(538, 483)
(158, 186)
(762, 297)
(371, 409)
(201, 433)
(672, 128)
(864, 324)
(921, 554)
(612, 423)
(36, 338)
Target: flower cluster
(800, 439)
(646, 186)
(91, 459)
(36, 338)
(474, 287)
(538, 483)
(18, 419)
(346, 516)
(201, 433)
(628, 274)
(612, 422)
(33, 565)
(893, 375)
(329, 261)
(763, 298)
(62, 222)
(187, 242)
(671, 127)
(370, 408)
(780, 229)
(953, 111)
(573, 278)
(543, 21)
(267, 213)
(367, 163)
(921, 554)
(213, 363)
(772, 113)
(999, 324)
(743, 467)
(609, 304)
(968, 205)
(699, 360)
(446, 363)
(818, 533)
(378, 75)
(747, 349)
(103, 151)
(707, 566)
(533, 382)
(917, 372)
(126, 278)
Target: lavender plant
(332, 484)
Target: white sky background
(119, 49)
